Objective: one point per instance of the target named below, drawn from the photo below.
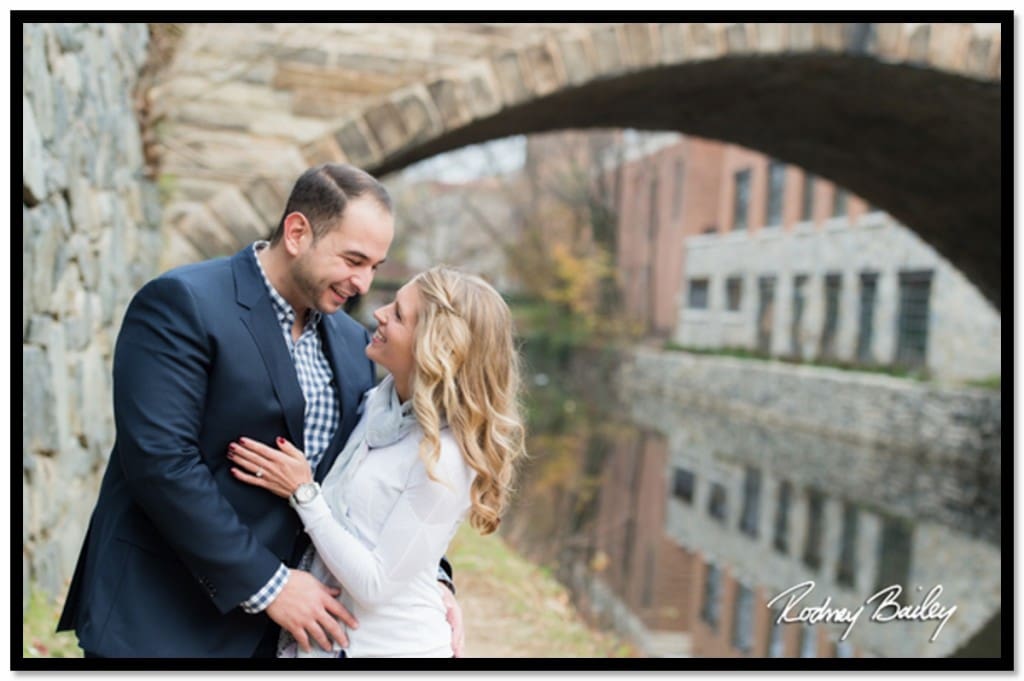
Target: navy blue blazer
(175, 542)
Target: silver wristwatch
(304, 494)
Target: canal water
(705, 533)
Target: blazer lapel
(258, 315)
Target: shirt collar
(285, 312)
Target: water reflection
(677, 526)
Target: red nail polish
(280, 440)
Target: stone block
(483, 96)
(576, 58)
(234, 212)
(294, 75)
(449, 101)
(71, 302)
(642, 44)
(202, 230)
(55, 174)
(545, 68)
(608, 49)
(995, 64)
(420, 118)
(704, 42)
(178, 250)
(38, 407)
(69, 36)
(890, 43)
(268, 196)
(801, 37)
(43, 233)
(94, 399)
(737, 39)
(828, 36)
(85, 214)
(387, 127)
(37, 79)
(948, 46)
(327, 105)
(771, 38)
(512, 79)
(917, 44)
(323, 149)
(358, 146)
(33, 158)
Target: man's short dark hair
(322, 193)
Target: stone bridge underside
(905, 115)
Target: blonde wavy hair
(467, 373)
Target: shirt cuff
(259, 601)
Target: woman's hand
(280, 471)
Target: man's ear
(297, 233)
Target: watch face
(305, 493)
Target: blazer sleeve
(161, 364)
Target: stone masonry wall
(90, 239)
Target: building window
(839, 202)
(741, 199)
(799, 302)
(833, 286)
(780, 540)
(808, 641)
(765, 313)
(776, 188)
(807, 208)
(677, 195)
(894, 546)
(683, 483)
(751, 513)
(846, 569)
(697, 298)
(912, 319)
(717, 502)
(712, 594)
(733, 293)
(866, 327)
(776, 646)
(743, 619)
(815, 529)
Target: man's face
(342, 263)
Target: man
(181, 559)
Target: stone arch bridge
(905, 115)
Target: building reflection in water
(678, 527)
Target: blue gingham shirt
(321, 415)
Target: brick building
(723, 247)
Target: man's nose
(362, 281)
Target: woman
(438, 438)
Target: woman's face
(392, 344)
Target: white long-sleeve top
(394, 526)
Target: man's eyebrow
(361, 256)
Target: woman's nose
(378, 314)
